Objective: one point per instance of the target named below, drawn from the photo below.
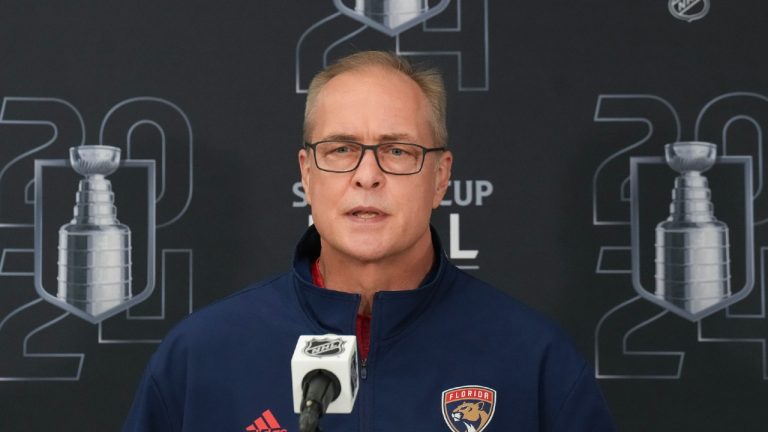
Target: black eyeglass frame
(373, 148)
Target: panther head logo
(468, 408)
(471, 414)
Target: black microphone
(320, 388)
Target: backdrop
(558, 116)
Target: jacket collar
(332, 311)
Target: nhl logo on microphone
(324, 347)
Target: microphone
(324, 378)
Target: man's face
(365, 214)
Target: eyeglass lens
(399, 158)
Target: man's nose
(368, 174)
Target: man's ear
(442, 177)
(305, 168)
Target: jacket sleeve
(149, 412)
(584, 409)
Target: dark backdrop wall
(559, 113)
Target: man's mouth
(365, 213)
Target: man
(439, 350)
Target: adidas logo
(266, 423)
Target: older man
(439, 350)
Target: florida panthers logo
(468, 408)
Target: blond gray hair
(429, 81)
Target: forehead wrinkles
(371, 89)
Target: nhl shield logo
(324, 347)
(688, 10)
(468, 408)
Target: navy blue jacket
(453, 354)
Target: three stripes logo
(265, 423)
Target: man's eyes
(341, 148)
(391, 150)
(397, 150)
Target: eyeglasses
(396, 158)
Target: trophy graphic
(391, 17)
(390, 13)
(692, 259)
(94, 247)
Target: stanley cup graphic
(692, 263)
(390, 13)
(94, 248)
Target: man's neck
(398, 273)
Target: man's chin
(365, 251)
(358, 247)
(364, 243)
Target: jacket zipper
(362, 395)
(366, 391)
